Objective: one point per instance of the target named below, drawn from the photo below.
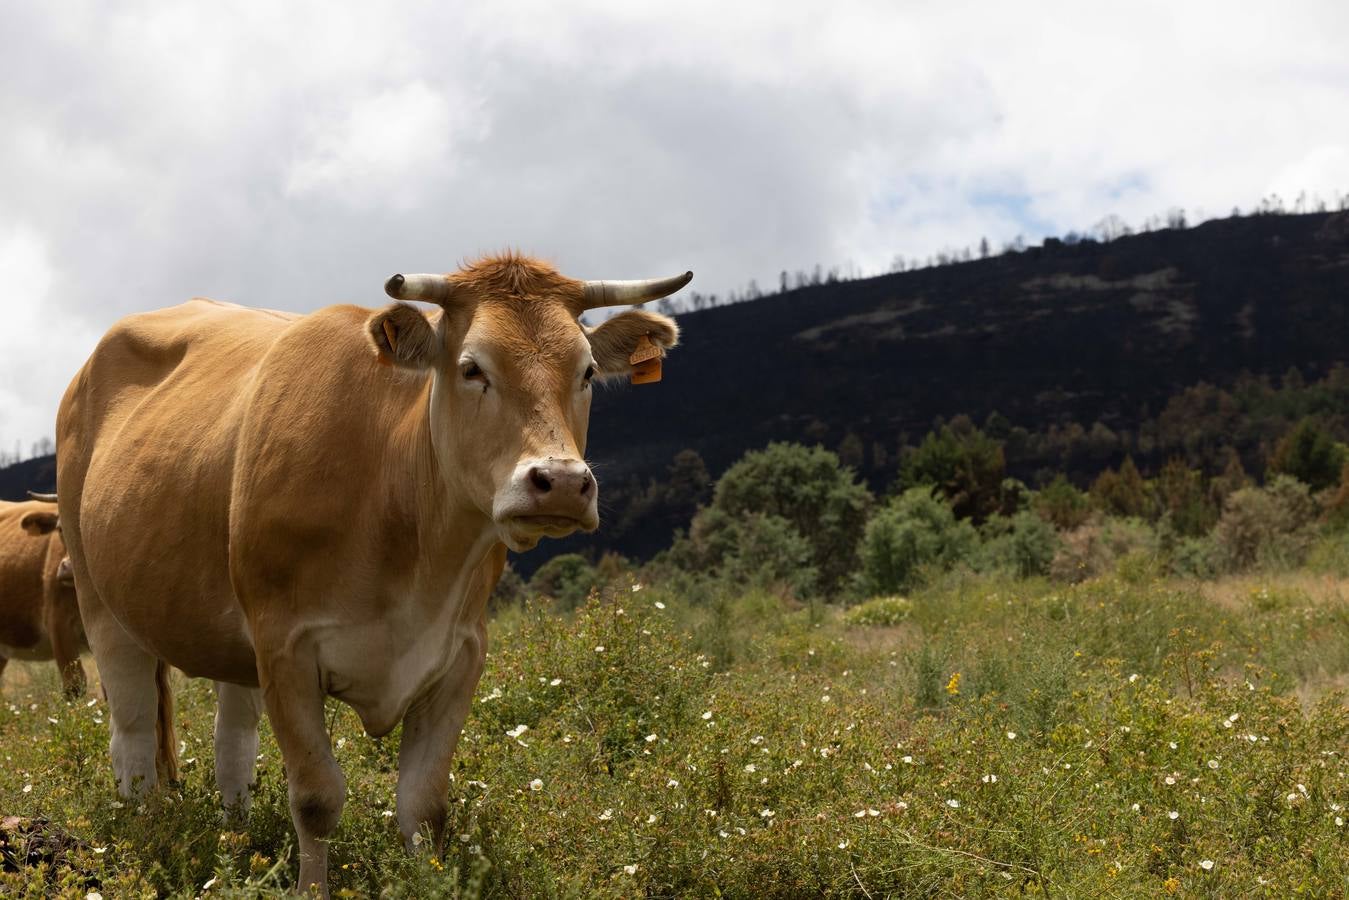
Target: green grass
(1003, 738)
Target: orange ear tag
(645, 362)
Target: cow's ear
(403, 337)
(36, 523)
(613, 342)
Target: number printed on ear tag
(645, 361)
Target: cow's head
(512, 374)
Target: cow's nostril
(586, 482)
(539, 478)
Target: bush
(1310, 455)
(567, 579)
(1123, 492)
(1185, 499)
(770, 552)
(1023, 544)
(811, 490)
(1062, 504)
(1269, 526)
(1096, 547)
(913, 531)
(882, 611)
(964, 464)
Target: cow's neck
(453, 535)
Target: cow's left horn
(427, 288)
(625, 293)
(45, 498)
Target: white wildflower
(632, 869)
(606, 815)
(536, 784)
(1173, 815)
(1206, 865)
(954, 804)
(659, 605)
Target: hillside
(1079, 333)
(1086, 332)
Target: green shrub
(808, 487)
(769, 551)
(1061, 504)
(912, 531)
(963, 464)
(567, 578)
(884, 611)
(1269, 526)
(1023, 544)
(1309, 454)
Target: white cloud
(293, 155)
(40, 335)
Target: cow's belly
(200, 632)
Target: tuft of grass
(883, 611)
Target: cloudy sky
(295, 154)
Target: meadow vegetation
(1132, 690)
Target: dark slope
(1085, 332)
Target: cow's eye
(472, 372)
(590, 373)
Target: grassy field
(1122, 737)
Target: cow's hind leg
(430, 734)
(236, 745)
(129, 681)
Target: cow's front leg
(430, 733)
(293, 695)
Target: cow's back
(146, 439)
(21, 560)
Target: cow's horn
(427, 288)
(45, 498)
(626, 293)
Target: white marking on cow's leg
(430, 734)
(236, 745)
(294, 699)
(128, 675)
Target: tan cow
(300, 506)
(39, 617)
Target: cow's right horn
(427, 288)
(45, 498)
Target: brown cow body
(39, 616)
(297, 506)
